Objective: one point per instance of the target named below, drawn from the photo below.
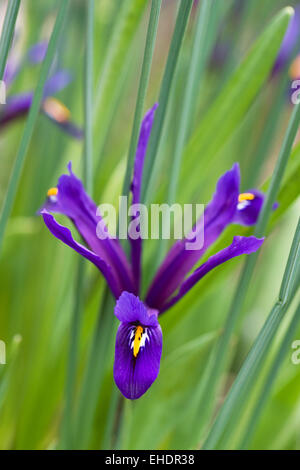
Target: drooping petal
(249, 207)
(239, 246)
(64, 235)
(18, 105)
(130, 309)
(218, 214)
(145, 131)
(72, 201)
(134, 375)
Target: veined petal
(249, 207)
(239, 246)
(72, 200)
(145, 131)
(64, 235)
(218, 214)
(130, 309)
(134, 375)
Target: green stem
(178, 35)
(206, 401)
(267, 387)
(8, 32)
(247, 376)
(144, 80)
(88, 102)
(68, 436)
(32, 118)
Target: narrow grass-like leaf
(8, 32)
(94, 371)
(67, 427)
(111, 76)
(178, 35)
(88, 101)
(239, 391)
(205, 403)
(67, 440)
(271, 377)
(194, 78)
(234, 100)
(32, 118)
(144, 80)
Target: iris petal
(218, 214)
(134, 375)
(239, 246)
(130, 309)
(136, 244)
(64, 235)
(73, 202)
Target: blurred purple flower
(139, 338)
(18, 105)
(290, 41)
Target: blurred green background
(38, 274)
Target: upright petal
(71, 200)
(64, 235)
(130, 309)
(134, 375)
(136, 244)
(218, 214)
(239, 246)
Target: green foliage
(56, 314)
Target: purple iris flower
(18, 105)
(139, 337)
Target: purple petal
(218, 214)
(289, 42)
(134, 375)
(72, 201)
(16, 106)
(57, 82)
(19, 105)
(248, 210)
(130, 309)
(239, 246)
(136, 244)
(64, 235)
(37, 53)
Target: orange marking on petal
(52, 192)
(137, 340)
(246, 197)
(56, 110)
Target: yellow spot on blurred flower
(52, 192)
(137, 340)
(56, 110)
(295, 68)
(246, 197)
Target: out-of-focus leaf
(232, 104)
